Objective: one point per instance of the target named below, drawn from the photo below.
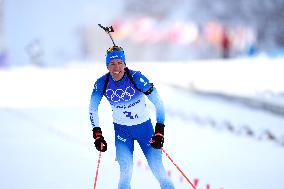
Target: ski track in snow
(46, 139)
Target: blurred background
(217, 64)
(55, 32)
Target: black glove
(157, 140)
(100, 142)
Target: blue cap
(114, 55)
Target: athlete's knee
(126, 164)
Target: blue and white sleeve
(96, 97)
(143, 84)
(155, 98)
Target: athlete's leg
(153, 156)
(124, 155)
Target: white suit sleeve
(96, 97)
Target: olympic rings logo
(120, 94)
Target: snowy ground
(46, 140)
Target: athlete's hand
(100, 142)
(157, 140)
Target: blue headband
(115, 55)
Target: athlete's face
(116, 69)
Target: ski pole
(168, 156)
(97, 172)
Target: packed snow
(46, 139)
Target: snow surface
(46, 139)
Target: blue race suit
(131, 122)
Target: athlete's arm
(155, 98)
(96, 97)
(151, 92)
